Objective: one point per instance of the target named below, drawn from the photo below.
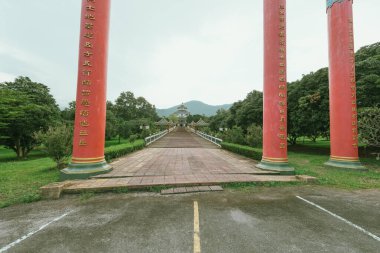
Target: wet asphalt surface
(253, 220)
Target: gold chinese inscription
(351, 52)
(89, 25)
(282, 77)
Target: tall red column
(89, 130)
(343, 110)
(275, 89)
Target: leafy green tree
(235, 135)
(27, 107)
(220, 120)
(58, 142)
(369, 130)
(308, 106)
(368, 75)
(249, 111)
(128, 107)
(196, 118)
(68, 114)
(254, 137)
(111, 125)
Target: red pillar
(89, 130)
(343, 110)
(275, 89)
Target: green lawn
(20, 180)
(114, 142)
(312, 164)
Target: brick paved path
(180, 158)
(181, 153)
(180, 138)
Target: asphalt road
(255, 220)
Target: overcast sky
(169, 51)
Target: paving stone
(191, 189)
(179, 190)
(216, 188)
(204, 188)
(167, 191)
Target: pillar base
(84, 171)
(351, 165)
(283, 168)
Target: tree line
(308, 105)
(29, 116)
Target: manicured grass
(312, 164)
(309, 159)
(114, 142)
(20, 180)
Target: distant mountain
(195, 107)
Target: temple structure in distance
(182, 113)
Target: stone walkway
(181, 158)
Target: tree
(369, 130)
(125, 106)
(196, 118)
(27, 107)
(68, 114)
(112, 122)
(308, 106)
(368, 75)
(249, 111)
(235, 135)
(254, 136)
(58, 142)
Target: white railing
(150, 139)
(210, 138)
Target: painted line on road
(7, 247)
(197, 238)
(341, 218)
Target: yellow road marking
(197, 239)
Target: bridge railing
(152, 138)
(208, 137)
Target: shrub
(116, 151)
(145, 133)
(235, 135)
(254, 136)
(369, 130)
(243, 150)
(133, 138)
(58, 142)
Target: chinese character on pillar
(342, 87)
(275, 156)
(90, 116)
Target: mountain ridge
(194, 107)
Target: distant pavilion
(182, 113)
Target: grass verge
(20, 180)
(309, 159)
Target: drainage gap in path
(191, 189)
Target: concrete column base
(84, 171)
(351, 165)
(283, 168)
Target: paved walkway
(181, 158)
